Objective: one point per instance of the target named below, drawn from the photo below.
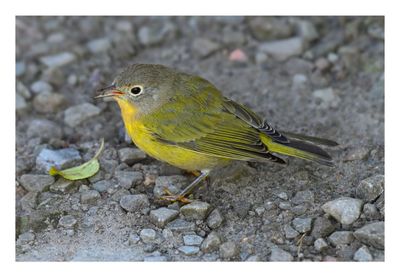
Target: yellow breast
(176, 156)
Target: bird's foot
(175, 197)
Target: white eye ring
(136, 90)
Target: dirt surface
(321, 76)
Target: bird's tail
(299, 148)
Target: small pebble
(181, 226)
(211, 242)
(215, 219)
(346, 210)
(282, 50)
(189, 250)
(363, 254)
(279, 255)
(238, 55)
(61, 159)
(44, 129)
(25, 238)
(162, 216)
(283, 195)
(193, 240)
(90, 197)
(302, 225)
(128, 179)
(341, 237)
(75, 115)
(62, 186)
(133, 238)
(130, 155)
(372, 234)
(320, 245)
(48, 102)
(134, 203)
(196, 210)
(36, 183)
(203, 47)
(102, 186)
(290, 233)
(67, 221)
(41, 86)
(304, 196)
(99, 45)
(58, 60)
(228, 250)
(29, 201)
(322, 227)
(148, 235)
(369, 189)
(173, 184)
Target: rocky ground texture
(318, 75)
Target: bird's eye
(136, 90)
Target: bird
(184, 120)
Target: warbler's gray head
(145, 86)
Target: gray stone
(346, 210)
(36, 183)
(29, 201)
(67, 221)
(90, 197)
(306, 30)
(322, 227)
(173, 184)
(341, 237)
(196, 210)
(283, 195)
(155, 34)
(350, 56)
(128, 179)
(228, 250)
(41, 86)
(193, 240)
(20, 104)
(102, 186)
(133, 238)
(363, 254)
(134, 203)
(370, 211)
(75, 115)
(130, 155)
(259, 210)
(99, 45)
(285, 205)
(48, 102)
(44, 129)
(359, 153)
(279, 255)
(62, 186)
(320, 245)
(290, 233)
(181, 226)
(203, 47)
(267, 28)
(162, 216)
(327, 96)
(189, 250)
(372, 234)
(281, 50)
(148, 235)
(25, 238)
(302, 225)
(215, 219)
(301, 197)
(23, 91)
(20, 69)
(61, 159)
(58, 60)
(211, 242)
(369, 189)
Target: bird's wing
(198, 121)
(253, 120)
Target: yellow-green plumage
(184, 120)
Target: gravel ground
(318, 75)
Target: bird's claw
(174, 197)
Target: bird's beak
(109, 91)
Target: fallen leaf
(82, 171)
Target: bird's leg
(185, 192)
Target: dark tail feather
(321, 141)
(312, 152)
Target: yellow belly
(176, 156)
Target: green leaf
(82, 171)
